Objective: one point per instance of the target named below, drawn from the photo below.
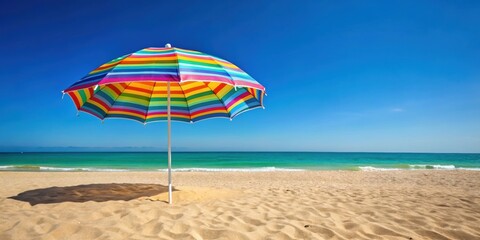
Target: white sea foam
(59, 169)
(92, 169)
(20, 167)
(426, 166)
(370, 168)
(419, 167)
(259, 169)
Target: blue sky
(401, 76)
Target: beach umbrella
(166, 84)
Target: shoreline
(414, 167)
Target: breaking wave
(258, 169)
(417, 167)
(370, 168)
(441, 167)
(30, 168)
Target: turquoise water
(235, 161)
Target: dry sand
(233, 205)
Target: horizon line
(242, 151)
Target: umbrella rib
(96, 83)
(246, 110)
(186, 101)
(223, 103)
(178, 65)
(101, 88)
(179, 84)
(221, 67)
(150, 101)
(128, 84)
(120, 62)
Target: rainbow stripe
(134, 86)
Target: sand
(430, 204)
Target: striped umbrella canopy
(134, 86)
(165, 84)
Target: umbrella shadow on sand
(91, 192)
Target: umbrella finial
(168, 45)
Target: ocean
(235, 161)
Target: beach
(415, 204)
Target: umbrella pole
(169, 146)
